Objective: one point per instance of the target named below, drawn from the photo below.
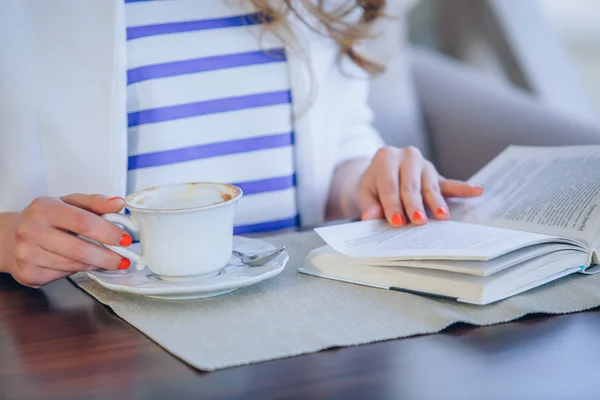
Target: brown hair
(347, 34)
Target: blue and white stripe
(208, 99)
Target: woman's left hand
(400, 184)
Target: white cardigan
(63, 123)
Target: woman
(111, 97)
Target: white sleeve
(358, 137)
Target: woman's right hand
(39, 244)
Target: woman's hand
(38, 245)
(398, 184)
(401, 185)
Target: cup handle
(123, 251)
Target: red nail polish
(126, 240)
(114, 198)
(125, 263)
(419, 216)
(442, 211)
(398, 220)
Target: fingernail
(125, 263)
(114, 198)
(419, 216)
(398, 220)
(442, 211)
(126, 240)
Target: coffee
(177, 204)
(177, 197)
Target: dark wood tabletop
(58, 342)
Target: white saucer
(232, 277)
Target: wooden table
(60, 343)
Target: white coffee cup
(185, 230)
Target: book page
(326, 255)
(441, 240)
(549, 190)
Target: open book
(538, 220)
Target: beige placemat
(294, 314)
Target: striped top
(208, 99)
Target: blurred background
(577, 22)
(548, 47)
(482, 75)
